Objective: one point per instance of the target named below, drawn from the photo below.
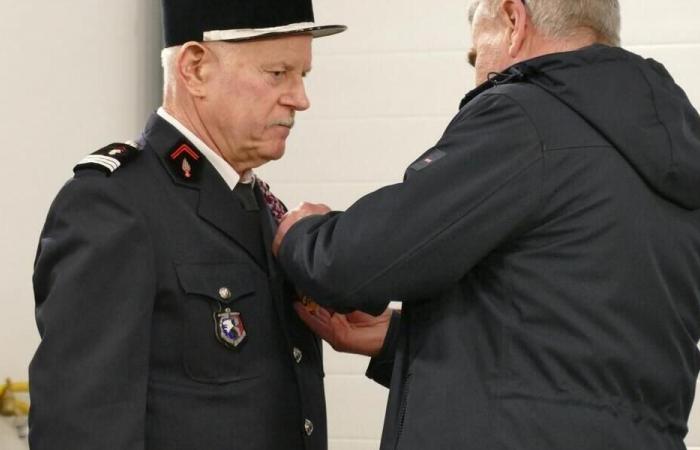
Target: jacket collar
(189, 169)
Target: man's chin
(276, 153)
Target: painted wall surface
(77, 74)
(84, 73)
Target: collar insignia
(185, 161)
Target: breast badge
(229, 328)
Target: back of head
(564, 18)
(561, 18)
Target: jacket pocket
(210, 290)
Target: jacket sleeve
(94, 289)
(463, 198)
(381, 367)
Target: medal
(229, 329)
(309, 303)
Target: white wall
(82, 73)
(76, 75)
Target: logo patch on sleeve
(428, 159)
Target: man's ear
(513, 14)
(194, 66)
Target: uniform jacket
(130, 272)
(547, 253)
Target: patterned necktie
(278, 211)
(276, 206)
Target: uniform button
(225, 293)
(308, 427)
(297, 355)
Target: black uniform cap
(235, 20)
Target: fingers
(307, 209)
(319, 321)
(293, 216)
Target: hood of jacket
(635, 104)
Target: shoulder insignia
(109, 158)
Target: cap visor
(315, 31)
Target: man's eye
(277, 73)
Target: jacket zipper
(403, 409)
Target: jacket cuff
(381, 366)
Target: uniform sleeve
(94, 289)
(466, 196)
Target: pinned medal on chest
(229, 328)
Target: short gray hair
(167, 58)
(562, 18)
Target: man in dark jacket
(546, 250)
(165, 322)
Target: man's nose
(297, 98)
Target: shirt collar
(230, 176)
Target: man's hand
(356, 332)
(292, 217)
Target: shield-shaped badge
(229, 328)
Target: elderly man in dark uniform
(547, 250)
(165, 322)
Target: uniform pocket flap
(224, 282)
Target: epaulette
(109, 158)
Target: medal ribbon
(278, 211)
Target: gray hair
(563, 18)
(167, 58)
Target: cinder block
(354, 150)
(388, 85)
(693, 437)
(403, 25)
(682, 62)
(353, 444)
(336, 363)
(356, 407)
(656, 22)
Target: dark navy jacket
(547, 253)
(128, 278)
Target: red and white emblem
(229, 328)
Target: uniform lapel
(269, 226)
(220, 207)
(217, 205)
